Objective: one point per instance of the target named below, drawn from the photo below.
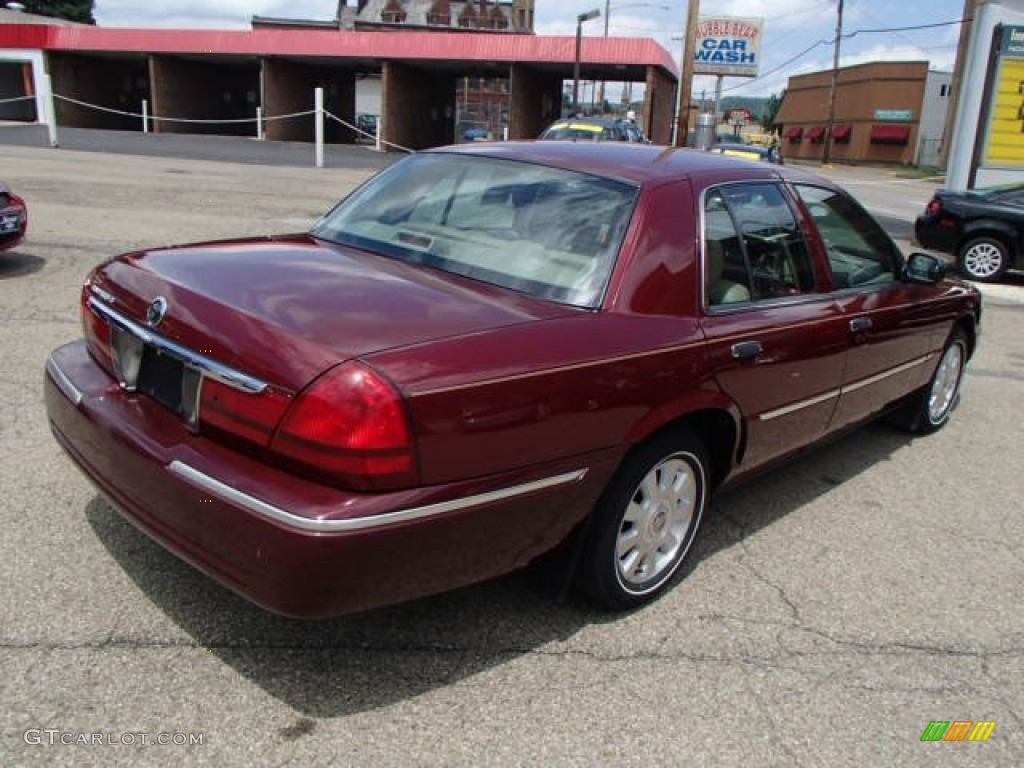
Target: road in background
(832, 609)
(228, 149)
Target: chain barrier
(18, 98)
(366, 133)
(227, 121)
(154, 118)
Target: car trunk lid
(286, 309)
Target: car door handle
(746, 349)
(860, 324)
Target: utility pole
(826, 155)
(686, 74)
(970, 8)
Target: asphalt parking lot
(831, 610)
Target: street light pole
(579, 46)
(607, 15)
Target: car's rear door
(776, 340)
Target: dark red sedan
(486, 352)
(13, 218)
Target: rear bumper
(10, 238)
(290, 545)
(930, 234)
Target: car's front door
(892, 325)
(777, 343)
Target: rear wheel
(984, 259)
(645, 522)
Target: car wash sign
(727, 46)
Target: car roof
(632, 163)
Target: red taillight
(249, 416)
(934, 206)
(350, 424)
(97, 334)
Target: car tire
(984, 259)
(930, 409)
(645, 522)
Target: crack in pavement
(860, 648)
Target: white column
(318, 101)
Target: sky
(797, 34)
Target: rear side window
(859, 252)
(754, 249)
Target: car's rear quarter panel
(607, 379)
(531, 395)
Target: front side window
(550, 233)
(859, 252)
(754, 249)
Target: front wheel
(929, 410)
(645, 522)
(984, 259)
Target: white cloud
(218, 14)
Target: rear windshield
(546, 232)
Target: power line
(846, 35)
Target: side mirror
(924, 268)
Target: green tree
(72, 10)
(771, 109)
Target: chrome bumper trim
(203, 481)
(71, 392)
(206, 366)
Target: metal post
(51, 111)
(259, 123)
(380, 133)
(318, 101)
(145, 116)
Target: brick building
(885, 112)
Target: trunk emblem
(156, 311)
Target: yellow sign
(1005, 145)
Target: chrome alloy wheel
(659, 523)
(946, 383)
(983, 259)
